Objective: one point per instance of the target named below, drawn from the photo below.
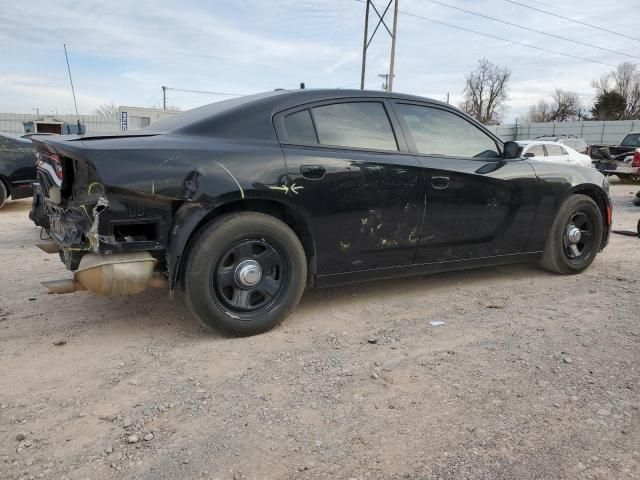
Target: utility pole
(393, 45)
(366, 42)
(365, 45)
(447, 98)
(164, 97)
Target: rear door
(478, 205)
(556, 154)
(351, 173)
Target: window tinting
(553, 150)
(300, 128)
(537, 150)
(356, 125)
(438, 132)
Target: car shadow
(419, 284)
(16, 206)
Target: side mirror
(529, 155)
(511, 150)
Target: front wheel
(3, 194)
(575, 237)
(245, 273)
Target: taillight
(635, 163)
(587, 151)
(53, 160)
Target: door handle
(313, 172)
(439, 183)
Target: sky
(122, 52)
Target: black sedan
(244, 203)
(17, 167)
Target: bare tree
(539, 112)
(485, 92)
(565, 105)
(624, 80)
(107, 110)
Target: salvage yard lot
(533, 375)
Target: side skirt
(333, 279)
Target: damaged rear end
(109, 253)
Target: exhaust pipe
(63, 286)
(111, 274)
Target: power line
(204, 91)
(590, 60)
(573, 20)
(532, 29)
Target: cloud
(123, 51)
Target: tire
(562, 253)
(3, 193)
(220, 273)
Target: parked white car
(553, 152)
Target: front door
(350, 171)
(478, 205)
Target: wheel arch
(5, 181)
(192, 218)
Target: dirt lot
(532, 376)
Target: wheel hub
(573, 234)
(248, 273)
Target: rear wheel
(3, 193)
(245, 273)
(575, 237)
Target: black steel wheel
(245, 273)
(578, 239)
(250, 276)
(575, 237)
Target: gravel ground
(532, 376)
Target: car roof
(524, 143)
(271, 102)
(15, 137)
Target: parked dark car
(17, 167)
(621, 160)
(243, 203)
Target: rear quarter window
(300, 130)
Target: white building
(133, 118)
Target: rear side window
(355, 125)
(300, 129)
(439, 132)
(554, 150)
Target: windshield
(631, 140)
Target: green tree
(609, 105)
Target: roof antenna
(72, 89)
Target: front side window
(355, 125)
(537, 150)
(439, 132)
